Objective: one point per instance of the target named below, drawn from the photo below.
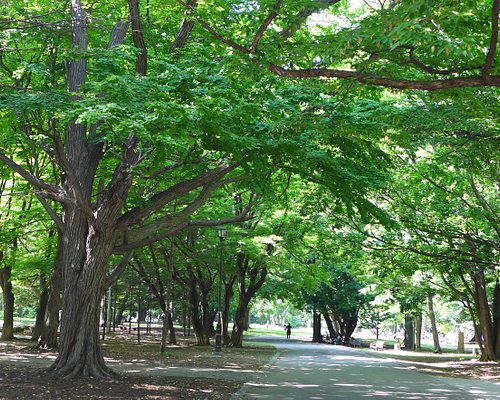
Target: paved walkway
(314, 372)
(303, 370)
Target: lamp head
(222, 233)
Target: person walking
(288, 329)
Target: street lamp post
(218, 332)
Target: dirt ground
(22, 367)
(137, 365)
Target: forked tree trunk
(239, 322)
(167, 331)
(87, 230)
(350, 321)
(85, 256)
(8, 303)
(250, 280)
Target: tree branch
(138, 38)
(145, 241)
(493, 218)
(119, 269)
(185, 28)
(57, 220)
(79, 198)
(369, 79)
(117, 189)
(495, 9)
(303, 14)
(366, 78)
(53, 191)
(260, 32)
(159, 200)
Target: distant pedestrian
(288, 329)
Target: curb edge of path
(244, 387)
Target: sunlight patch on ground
(260, 384)
(352, 384)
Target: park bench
(378, 345)
(355, 342)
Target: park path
(318, 371)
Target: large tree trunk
(496, 318)
(409, 340)
(122, 307)
(239, 322)
(8, 303)
(88, 233)
(228, 295)
(418, 332)
(48, 337)
(200, 333)
(207, 316)
(43, 298)
(250, 280)
(435, 333)
(329, 325)
(483, 310)
(84, 276)
(350, 321)
(172, 339)
(317, 336)
(42, 309)
(419, 322)
(164, 332)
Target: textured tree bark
(185, 28)
(228, 295)
(250, 280)
(48, 337)
(350, 323)
(329, 325)
(196, 319)
(164, 333)
(432, 317)
(8, 303)
(317, 336)
(409, 340)
(483, 310)
(121, 307)
(42, 309)
(172, 339)
(496, 318)
(137, 37)
(207, 315)
(418, 332)
(239, 322)
(84, 276)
